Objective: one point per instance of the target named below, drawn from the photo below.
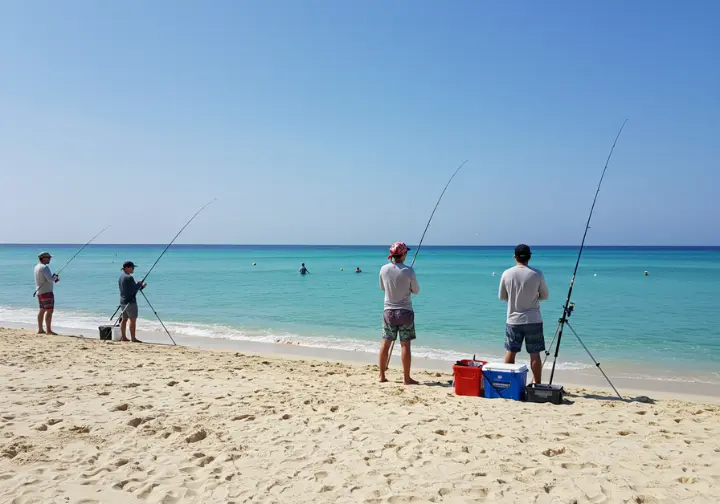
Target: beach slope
(85, 421)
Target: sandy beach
(85, 421)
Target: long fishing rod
(163, 252)
(417, 250)
(569, 307)
(73, 257)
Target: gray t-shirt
(523, 288)
(399, 282)
(44, 280)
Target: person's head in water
(303, 265)
(128, 267)
(522, 254)
(398, 252)
(44, 257)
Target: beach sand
(85, 421)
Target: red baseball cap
(398, 249)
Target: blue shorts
(531, 333)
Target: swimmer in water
(303, 270)
(358, 270)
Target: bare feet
(383, 379)
(410, 381)
(52, 333)
(124, 339)
(41, 331)
(135, 340)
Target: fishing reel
(567, 311)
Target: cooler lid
(506, 368)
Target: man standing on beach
(128, 301)
(399, 283)
(44, 283)
(523, 287)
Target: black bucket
(105, 332)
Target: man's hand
(56, 278)
(143, 284)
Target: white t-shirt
(523, 288)
(44, 280)
(399, 283)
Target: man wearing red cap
(399, 282)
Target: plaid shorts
(46, 301)
(398, 322)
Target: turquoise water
(665, 320)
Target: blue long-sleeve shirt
(128, 288)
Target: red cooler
(469, 378)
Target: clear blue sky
(340, 122)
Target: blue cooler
(506, 381)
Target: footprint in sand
(197, 436)
(552, 452)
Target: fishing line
(73, 257)
(422, 238)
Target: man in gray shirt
(44, 283)
(399, 282)
(523, 287)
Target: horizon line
(337, 245)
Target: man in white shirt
(523, 287)
(44, 283)
(399, 282)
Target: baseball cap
(398, 249)
(523, 252)
(42, 255)
(128, 264)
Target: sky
(325, 122)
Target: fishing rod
(569, 307)
(163, 253)
(417, 250)
(73, 257)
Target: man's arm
(503, 293)
(382, 285)
(129, 287)
(544, 293)
(414, 285)
(48, 276)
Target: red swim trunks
(46, 301)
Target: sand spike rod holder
(569, 307)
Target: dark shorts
(399, 322)
(532, 334)
(46, 301)
(131, 312)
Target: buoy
(254, 264)
(646, 273)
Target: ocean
(660, 326)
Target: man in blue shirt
(128, 300)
